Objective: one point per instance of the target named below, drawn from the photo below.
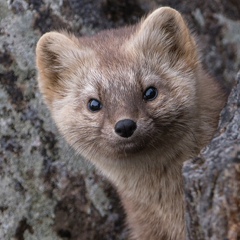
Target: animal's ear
(164, 32)
(56, 56)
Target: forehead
(113, 81)
(110, 54)
(114, 65)
(111, 68)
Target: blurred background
(46, 191)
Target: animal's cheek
(152, 113)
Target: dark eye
(150, 94)
(94, 105)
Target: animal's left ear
(164, 32)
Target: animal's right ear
(56, 56)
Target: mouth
(132, 146)
(128, 147)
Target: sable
(136, 103)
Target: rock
(212, 180)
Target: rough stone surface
(46, 192)
(212, 180)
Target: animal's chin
(127, 149)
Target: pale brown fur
(116, 67)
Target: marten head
(126, 92)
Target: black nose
(125, 128)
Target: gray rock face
(212, 180)
(46, 192)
